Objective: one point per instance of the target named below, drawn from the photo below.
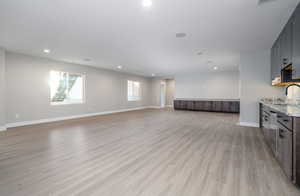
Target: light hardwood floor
(141, 153)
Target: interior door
(162, 94)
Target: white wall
(28, 89)
(255, 75)
(2, 90)
(210, 85)
(170, 92)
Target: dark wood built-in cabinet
(207, 105)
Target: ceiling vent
(262, 2)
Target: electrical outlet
(17, 116)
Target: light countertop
(290, 110)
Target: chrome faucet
(286, 90)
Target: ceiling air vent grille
(261, 2)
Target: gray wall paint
(2, 89)
(170, 92)
(28, 89)
(255, 75)
(211, 85)
(155, 91)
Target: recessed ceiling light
(47, 51)
(180, 35)
(152, 75)
(119, 67)
(199, 53)
(215, 67)
(147, 3)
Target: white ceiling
(142, 40)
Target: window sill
(66, 103)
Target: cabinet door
(176, 104)
(286, 44)
(266, 125)
(207, 106)
(273, 139)
(183, 105)
(285, 151)
(190, 105)
(234, 107)
(217, 106)
(226, 106)
(296, 44)
(273, 62)
(199, 105)
(278, 58)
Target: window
(134, 89)
(66, 88)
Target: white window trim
(83, 101)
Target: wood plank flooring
(141, 153)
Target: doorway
(163, 92)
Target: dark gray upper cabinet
(286, 50)
(296, 44)
(273, 62)
(286, 45)
(276, 59)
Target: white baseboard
(155, 107)
(159, 107)
(3, 128)
(48, 120)
(248, 124)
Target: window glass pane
(136, 86)
(58, 83)
(130, 89)
(66, 87)
(75, 88)
(133, 90)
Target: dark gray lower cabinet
(190, 105)
(210, 106)
(279, 136)
(285, 150)
(199, 105)
(207, 106)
